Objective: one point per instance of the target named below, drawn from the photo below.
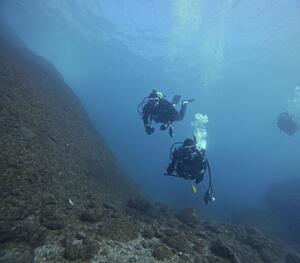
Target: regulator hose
(171, 150)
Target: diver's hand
(149, 129)
(169, 170)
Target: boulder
(283, 198)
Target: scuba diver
(190, 163)
(157, 108)
(287, 123)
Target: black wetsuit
(161, 111)
(188, 163)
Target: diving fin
(176, 99)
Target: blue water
(240, 60)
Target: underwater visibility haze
(239, 60)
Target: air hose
(208, 196)
(171, 150)
(210, 188)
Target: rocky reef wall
(284, 200)
(53, 163)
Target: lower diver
(190, 163)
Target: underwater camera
(208, 197)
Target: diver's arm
(171, 168)
(147, 111)
(173, 162)
(146, 114)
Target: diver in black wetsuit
(157, 108)
(287, 123)
(188, 162)
(191, 164)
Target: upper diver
(157, 108)
(287, 123)
(190, 163)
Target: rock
(163, 209)
(49, 151)
(133, 260)
(110, 207)
(120, 229)
(284, 200)
(52, 218)
(80, 235)
(292, 258)
(162, 253)
(178, 242)
(199, 259)
(6, 236)
(140, 205)
(30, 233)
(267, 255)
(212, 227)
(90, 215)
(16, 254)
(261, 219)
(201, 234)
(170, 232)
(147, 233)
(79, 249)
(223, 251)
(189, 216)
(184, 258)
(50, 253)
(158, 234)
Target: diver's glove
(149, 129)
(184, 102)
(170, 170)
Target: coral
(52, 218)
(79, 248)
(161, 253)
(222, 250)
(148, 233)
(284, 200)
(189, 216)
(141, 205)
(178, 242)
(90, 215)
(18, 253)
(121, 229)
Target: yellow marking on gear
(194, 189)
